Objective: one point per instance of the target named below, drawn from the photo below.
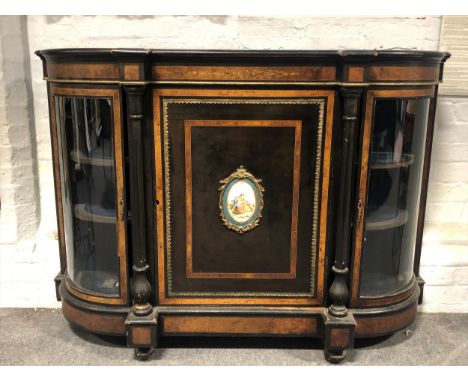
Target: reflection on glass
(395, 170)
(88, 192)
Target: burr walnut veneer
(241, 193)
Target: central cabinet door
(242, 179)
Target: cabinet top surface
(364, 55)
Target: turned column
(141, 323)
(140, 287)
(339, 291)
(339, 323)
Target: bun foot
(335, 356)
(142, 354)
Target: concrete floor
(44, 337)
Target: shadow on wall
(221, 20)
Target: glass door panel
(89, 177)
(395, 169)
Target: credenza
(241, 193)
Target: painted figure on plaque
(241, 201)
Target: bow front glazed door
(241, 176)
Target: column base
(142, 333)
(339, 336)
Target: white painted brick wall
(444, 262)
(19, 214)
(445, 258)
(20, 210)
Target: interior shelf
(385, 160)
(97, 281)
(79, 157)
(386, 219)
(383, 284)
(95, 214)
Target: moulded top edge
(346, 55)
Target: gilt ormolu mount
(260, 193)
(241, 201)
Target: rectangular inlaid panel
(131, 72)
(83, 71)
(237, 130)
(141, 336)
(243, 73)
(340, 337)
(98, 323)
(273, 253)
(228, 325)
(404, 73)
(381, 325)
(355, 74)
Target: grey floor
(43, 337)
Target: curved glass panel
(87, 167)
(395, 169)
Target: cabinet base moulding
(144, 332)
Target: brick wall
(444, 261)
(444, 265)
(18, 186)
(19, 191)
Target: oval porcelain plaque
(241, 201)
